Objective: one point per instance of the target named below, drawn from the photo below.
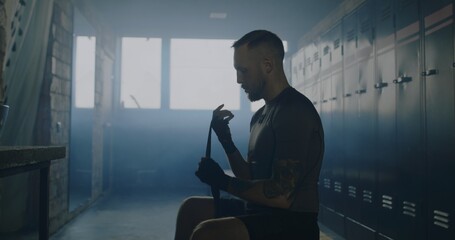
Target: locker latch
(380, 85)
(360, 91)
(430, 72)
(402, 79)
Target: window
(141, 73)
(84, 72)
(202, 75)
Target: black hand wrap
(223, 132)
(210, 172)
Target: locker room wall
(382, 80)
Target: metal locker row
(385, 89)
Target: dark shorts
(265, 223)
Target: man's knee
(205, 230)
(195, 204)
(227, 228)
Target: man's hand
(220, 120)
(210, 172)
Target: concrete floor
(134, 216)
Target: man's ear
(268, 65)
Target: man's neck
(276, 88)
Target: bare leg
(221, 229)
(193, 211)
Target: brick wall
(53, 124)
(60, 59)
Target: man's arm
(239, 166)
(275, 192)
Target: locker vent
(365, 26)
(387, 202)
(337, 187)
(441, 219)
(350, 35)
(367, 196)
(326, 183)
(326, 50)
(308, 61)
(336, 44)
(386, 13)
(409, 208)
(352, 191)
(316, 56)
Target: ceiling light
(218, 15)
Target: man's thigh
(289, 226)
(221, 229)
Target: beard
(256, 93)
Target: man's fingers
(219, 108)
(224, 114)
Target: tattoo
(239, 185)
(286, 173)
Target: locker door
(367, 176)
(385, 122)
(336, 101)
(326, 117)
(440, 125)
(351, 130)
(410, 154)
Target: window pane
(141, 73)
(84, 73)
(202, 75)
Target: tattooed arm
(274, 192)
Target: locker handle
(324, 101)
(402, 79)
(360, 91)
(430, 72)
(333, 99)
(381, 85)
(347, 95)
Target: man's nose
(239, 79)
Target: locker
(409, 123)
(385, 98)
(336, 100)
(366, 113)
(440, 119)
(350, 118)
(326, 118)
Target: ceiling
(290, 19)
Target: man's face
(247, 63)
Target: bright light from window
(202, 75)
(141, 73)
(84, 72)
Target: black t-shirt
(289, 127)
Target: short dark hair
(258, 37)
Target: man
(278, 180)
